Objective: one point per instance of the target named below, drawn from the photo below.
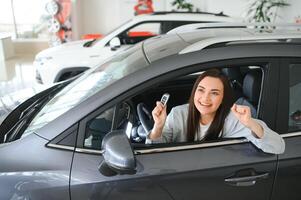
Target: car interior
(134, 114)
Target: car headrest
(252, 86)
(233, 74)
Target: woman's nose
(206, 97)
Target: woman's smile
(209, 95)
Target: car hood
(66, 48)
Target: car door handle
(247, 180)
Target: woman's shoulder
(181, 107)
(180, 110)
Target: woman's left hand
(243, 114)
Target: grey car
(85, 138)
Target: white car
(70, 59)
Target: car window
(140, 32)
(146, 29)
(169, 25)
(97, 128)
(114, 118)
(294, 97)
(124, 115)
(246, 83)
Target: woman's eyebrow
(214, 89)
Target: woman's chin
(206, 111)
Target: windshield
(88, 84)
(112, 31)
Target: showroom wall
(101, 16)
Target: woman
(210, 115)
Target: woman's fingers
(158, 109)
(240, 109)
(243, 113)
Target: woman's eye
(215, 93)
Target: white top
(174, 130)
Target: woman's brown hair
(193, 120)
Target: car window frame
(124, 32)
(262, 114)
(162, 23)
(283, 101)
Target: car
(70, 59)
(85, 138)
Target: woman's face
(209, 96)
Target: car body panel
(289, 163)
(189, 174)
(28, 170)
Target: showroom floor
(17, 82)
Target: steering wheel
(145, 118)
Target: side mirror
(118, 155)
(115, 43)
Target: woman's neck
(206, 119)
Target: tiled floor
(16, 74)
(17, 82)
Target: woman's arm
(256, 131)
(243, 114)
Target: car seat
(251, 91)
(235, 78)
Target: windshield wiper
(17, 130)
(89, 43)
(28, 114)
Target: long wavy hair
(194, 116)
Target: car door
(289, 124)
(228, 169)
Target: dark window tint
(67, 138)
(97, 128)
(115, 118)
(140, 32)
(295, 97)
(169, 25)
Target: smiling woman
(209, 116)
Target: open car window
(246, 82)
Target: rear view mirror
(118, 155)
(115, 43)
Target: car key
(164, 99)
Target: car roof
(197, 26)
(194, 40)
(185, 16)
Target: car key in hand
(164, 99)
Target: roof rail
(182, 12)
(263, 26)
(216, 40)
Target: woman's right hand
(159, 115)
